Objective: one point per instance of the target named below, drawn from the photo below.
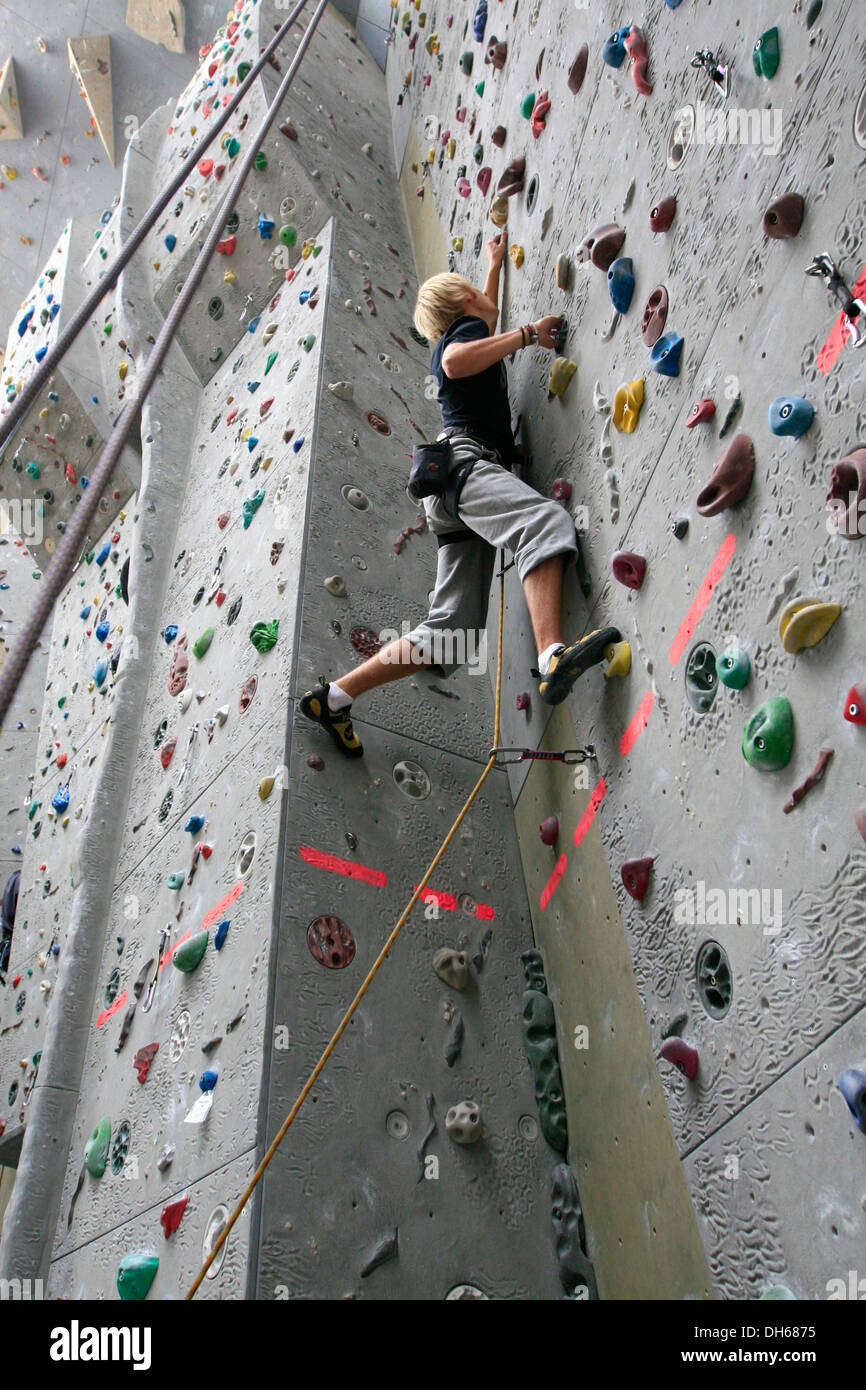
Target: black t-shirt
(477, 403)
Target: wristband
(523, 337)
(532, 333)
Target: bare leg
(543, 590)
(390, 664)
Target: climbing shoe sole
(571, 663)
(336, 722)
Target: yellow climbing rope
(374, 968)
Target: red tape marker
(230, 897)
(107, 1013)
(552, 883)
(702, 597)
(637, 725)
(347, 867)
(588, 816)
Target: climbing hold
(627, 403)
(700, 678)
(846, 500)
(855, 704)
(562, 490)
(220, 935)
(549, 830)
(539, 1036)
(266, 227)
(784, 216)
(511, 181)
(496, 53)
(483, 179)
(852, 1084)
(733, 668)
(685, 1058)
(96, 1148)
(498, 136)
(635, 876)
(765, 54)
(563, 272)
(202, 643)
(187, 957)
(569, 1237)
(577, 71)
(527, 104)
(768, 739)
(613, 48)
(665, 354)
(702, 411)
(288, 234)
(516, 254)
(538, 115)
(226, 247)
(635, 47)
(251, 506)
(620, 282)
(463, 1122)
(602, 245)
(561, 372)
(135, 1274)
(618, 659)
(803, 622)
(479, 22)
(655, 316)
(466, 61)
(628, 568)
(479, 87)
(336, 585)
(662, 215)
(815, 776)
(790, 415)
(452, 967)
(498, 213)
(172, 1213)
(264, 635)
(143, 1059)
(194, 824)
(523, 702)
(731, 478)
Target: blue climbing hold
(85, 612)
(220, 935)
(22, 327)
(171, 241)
(60, 799)
(266, 227)
(53, 396)
(83, 482)
(852, 1084)
(673, 4)
(252, 442)
(620, 282)
(613, 49)
(40, 353)
(103, 554)
(102, 630)
(194, 824)
(479, 22)
(170, 632)
(208, 1079)
(303, 296)
(790, 415)
(100, 671)
(298, 444)
(254, 323)
(253, 386)
(54, 311)
(665, 356)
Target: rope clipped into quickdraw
(371, 973)
(565, 755)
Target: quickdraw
(568, 755)
(853, 309)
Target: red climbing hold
(730, 479)
(549, 830)
(629, 568)
(561, 490)
(855, 705)
(635, 47)
(227, 246)
(635, 876)
(539, 113)
(205, 167)
(602, 245)
(166, 752)
(71, 476)
(483, 179)
(523, 702)
(684, 1057)
(143, 1059)
(172, 1213)
(662, 215)
(223, 520)
(700, 412)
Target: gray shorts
(496, 509)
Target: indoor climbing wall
(704, 421)
(240, 924)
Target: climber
(496, 508)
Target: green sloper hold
(251, 506)
(479, 87)
(176, 880)
(96, 1148)
(188, 956)
(733, 668)
(527, 105)
(272, 357)
(261, 161)
(765, 54)
(243, 70)
(288, 234)
(135, 1274)
(232, 147)
(201, 644)
(768, 740)
(264, 635)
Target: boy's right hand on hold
(548, 330)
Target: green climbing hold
(201, 644)
(765, 54)
(288, 234)
(264, 635)
(135, 1274)
(479, 87)
(260, 161)
(88, 555)
(32, 469)
(768, 739)
(317, 250)
(233, 147)
(96, 1148)
(527, 104)
(106, 328)
(272, 357)
(175, 881)
(61, 702)
(188, 955)
(251, 506)
(309, 342)
(34, 807)
(733, 668)
(244, 69)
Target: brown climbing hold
(784, 216)
(511, 181)
(143, 1059)
(730, 479)
(549, 830)
(655, 316)
(635, 876)
(178, 669)
(846, 500)
(662, 215)
(814, 777)
(563, 272)
(248, 693)
(499, 212)
(523, 701)
(602, 245)
(498, 136)
(496, 53)
(315, 762)
(577, 71)
(331, 942)
(629, 568)
(700, 412)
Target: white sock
(544, 657)
(337, 697)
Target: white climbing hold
(343, 390)
(336, 585)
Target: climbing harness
(378, 962)
(717, 72)
(853, 309)
(567, 755)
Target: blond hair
(439, 303)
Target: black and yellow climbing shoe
(572, 661)
(337, 722)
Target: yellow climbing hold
(618, 658)
(451, 148)
(266, 786)
(804, 621)
(457, 243)
(626, 405)
(25, 240)
(122, 370)
(516, 254)
(8, 171)
(561, 373)
(229, 277)
(499, 212)
(431, 154)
